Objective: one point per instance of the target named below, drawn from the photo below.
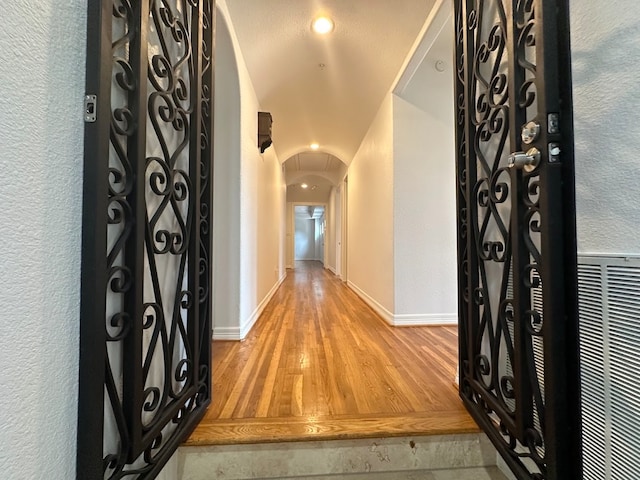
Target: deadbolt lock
(530, 132)
(525, 161)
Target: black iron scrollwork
(157, 325)
(492, 351)
(491, 191)
(204, 287)
(120, 218)
(527, 98)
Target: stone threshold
(428, 457)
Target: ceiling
(317, 162)
(325, 169)
(324, 89)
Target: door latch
(525, 161)
(90, 108)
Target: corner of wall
(370, 211)
(425, 256)
(240, 332)
(380, 309)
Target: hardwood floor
(320, 364)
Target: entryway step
(484, 473)
(435, 457)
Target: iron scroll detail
(155, 78)
(508, 287)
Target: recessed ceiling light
(314, 146)
(304, 185)
(322, 25)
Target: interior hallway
(320, 364)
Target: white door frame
(292, 206)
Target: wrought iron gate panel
(519, 373)
(146, 304)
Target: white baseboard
(331, 269)
(425, 319)
(239, 333)
(226, 333)
(247, 325)
(386, 315)
(404, 320)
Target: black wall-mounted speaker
(264, 130)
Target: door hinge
(90, 108)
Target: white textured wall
(226, 178)
(330, 232)
(305, 241)
(269, 216)
(425, 207)
(320, 239)
(259, 218)
(261, 201)
(425, 190)
(370, 211)
(606, 68)
(290, 236)
(42, 53)
(249, 156)
(338, 228)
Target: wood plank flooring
(320, 364)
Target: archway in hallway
(226, 177)
(316, 179)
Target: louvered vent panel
(624, 345)
(592, 358)
(511, 403)
(609, 297)
(538, 351)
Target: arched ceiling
(324, 89)
(317, 189)
(323, 165)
